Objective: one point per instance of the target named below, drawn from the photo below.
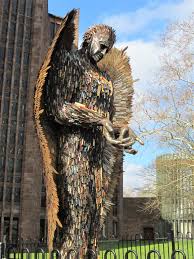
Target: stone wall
(32, 169)
(135, 220)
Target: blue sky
(139, 25)
(92, 12)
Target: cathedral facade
(26, 31)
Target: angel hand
(126, 138)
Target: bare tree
(128, 192)
(167, 108)
(166, 114)
(150, 188)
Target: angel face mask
(99, 47)
(98, 40)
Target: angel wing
(67, 37)
(116, 64)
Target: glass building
(175, 184)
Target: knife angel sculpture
(82, 109)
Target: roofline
(55, 16)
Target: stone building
(138, 222)
(26, 30)
(113, 227)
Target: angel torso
(80, 82)
(96, 92)
(80, 148)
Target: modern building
(26, 30)
(175, 181)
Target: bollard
(189, 235)
(25, 251)
(178, 252)
(10, 251)
(180, 235)
(39, 251)
(131, 252)
(137, 236)
(111, 252)
(57, 252)
(172, 240)
(154, 252)
(2, 251)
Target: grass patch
(141, 248)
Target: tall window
(17, 195)
(1, 193)
(114, 210)
(42, 229)
(22, 7)
(14, 7)
(10, 170)
(2, 166)
(6, 229)
(8, 193)
(52, 30)
(2, 55)
(15, 230)
(115, 228)
(43, 199)
(29, 8)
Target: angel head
(98, 40)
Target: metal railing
(170, 247)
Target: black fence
(170, 247)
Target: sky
(139, 25)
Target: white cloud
(145, 63)
(133, 22)
(132, 175)
(144, 60)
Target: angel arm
(59, 91)
(61, 88)
(79, 114)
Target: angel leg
(79, 160)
